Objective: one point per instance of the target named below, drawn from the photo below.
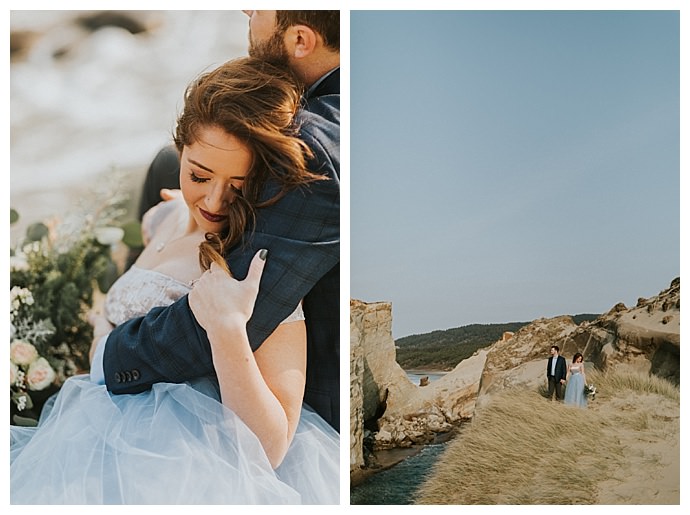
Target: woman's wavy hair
(577, 355)
(257, 103)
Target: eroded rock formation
(645, 338)
(399, 412)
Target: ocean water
(398, 484)
(416, 375)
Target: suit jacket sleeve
(302, 235)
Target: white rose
(14, 373)
(109, 235)
(13, 331)
(22, 353)
(40, 374)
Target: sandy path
(651, 471)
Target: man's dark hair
(555, 347)
(326, 23)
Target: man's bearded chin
(272, 50)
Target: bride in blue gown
(241, 437)
(575, 383)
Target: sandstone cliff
(645, 338)
(384, 400)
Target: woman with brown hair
(575, 387)
(245, 438)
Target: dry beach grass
(524, 449)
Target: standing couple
(571, 377)
(205, 389)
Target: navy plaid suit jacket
(302, 235)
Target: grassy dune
(524, 449)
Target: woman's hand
(218, 298)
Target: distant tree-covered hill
(443, 350)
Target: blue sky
(512, 165)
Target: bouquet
(30, 373)
(54, 271)
(590, 391)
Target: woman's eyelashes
(195, 178)
(235, 189)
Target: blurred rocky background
(95, 94)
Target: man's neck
(311, 71)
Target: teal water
(415, 376)
(398, 484)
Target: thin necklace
(160, 246)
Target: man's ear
(301, 41)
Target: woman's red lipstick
(212, 217)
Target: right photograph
(515, 257)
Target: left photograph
(174, 257)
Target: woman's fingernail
(262, 254)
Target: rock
(617, 308)
(383, 436)
(356, 396)
(645, 338)
(402, 412)
(134, 23)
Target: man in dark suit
(556, 373)
(301, 233)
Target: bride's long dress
(176, 444)
(575, 389)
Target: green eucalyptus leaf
(24, 421)
(132, 237)
(36, 231)
(14, 216)
(108, 277)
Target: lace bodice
(575, 369)
(138, 290)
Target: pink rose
(40, 374)
(22, 353)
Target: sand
(652, 472)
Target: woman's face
(579, 359)
(212, 170)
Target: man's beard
(273, 50)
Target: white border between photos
(345, 188)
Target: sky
(512, 165)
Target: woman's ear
(300, 41)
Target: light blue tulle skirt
(175, 444)
(575, 391)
